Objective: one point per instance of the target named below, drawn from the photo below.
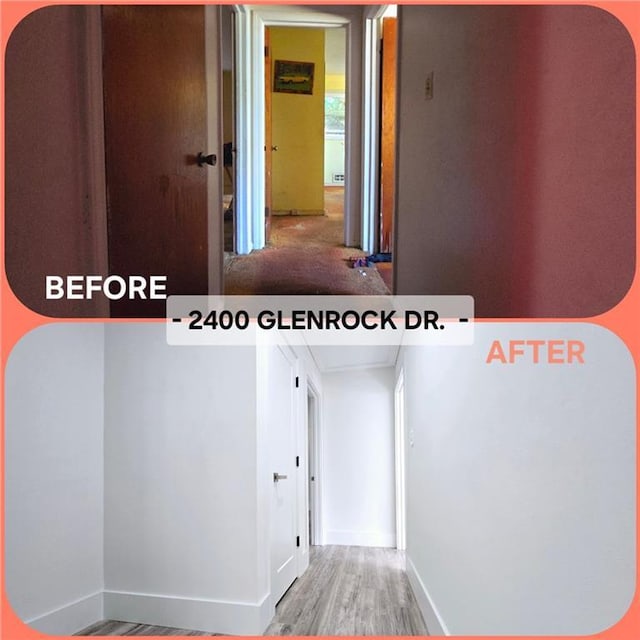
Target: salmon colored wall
(54, 208)
(516, 182)
(298, 125)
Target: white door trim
(302, 552)
(250, 126)
(370, 138)
(400, 466)
(371, 127)
(244, 196)
(315, 464)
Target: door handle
(274, 147)
(211, 159)
(278, 476)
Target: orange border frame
(623, 319)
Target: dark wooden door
(388, 134)
(155, 125)
(268, 138)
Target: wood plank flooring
(350, 591)
(345, 591)
(117, 628)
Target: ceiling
(333, 358)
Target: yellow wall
(298, 125)
(335, 83)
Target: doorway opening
(305, 115)
(301, 265)
(335, 111)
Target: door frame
(314, 448)
(371, 126)
(400, 461)
(249, 74)
(244, 188)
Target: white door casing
(250, 127)
(400, 464)
(314, 464)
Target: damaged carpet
(305, 256)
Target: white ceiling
(331, 358)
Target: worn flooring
(305, 256)
(345, 591)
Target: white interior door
(281, 434)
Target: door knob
(278, 476)
(274, 147)
(211, 159)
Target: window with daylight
(334, 114)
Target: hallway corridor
(305, 256)
(350, 591)
(345, 591)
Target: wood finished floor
(345, 591)
(117, 628)
(350, 591)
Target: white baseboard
(267, 612)
(71, 617)
(433, 620)
(215, 616)
(360, 538)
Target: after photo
(319, 490)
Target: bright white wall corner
(358, 442)
(181, 536)
(54, 477)
(521, 500)
(131, 482)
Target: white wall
(133, 486)
(54, 477)
(333, 159)
(181, 535)
(358, 457)
(521, 502)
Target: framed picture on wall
(293, 77)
